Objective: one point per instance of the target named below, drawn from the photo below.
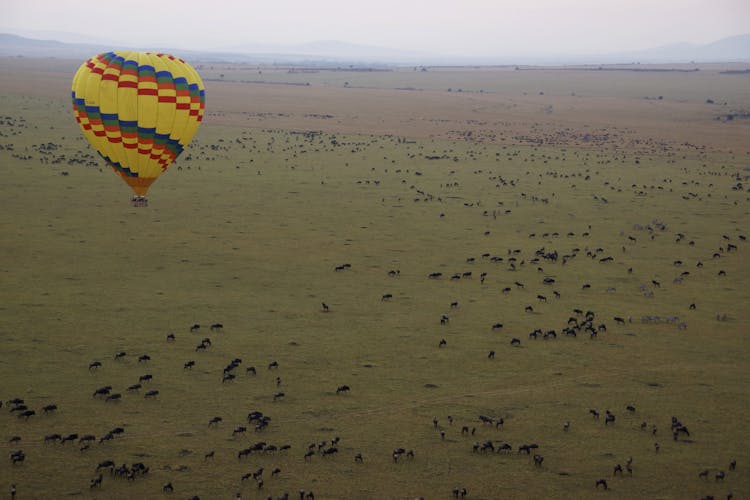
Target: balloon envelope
(139, 110)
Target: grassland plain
(248, 232)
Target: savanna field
(427, 271)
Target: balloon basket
(139, 201)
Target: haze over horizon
(473, 28)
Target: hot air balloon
(139, 110)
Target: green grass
(248, 234)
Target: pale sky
(448, 27)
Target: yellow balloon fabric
(139, 110)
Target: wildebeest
(94, 365)
(151, 394)
(442, 343)
(342, 388)
(49, 408)
(387, 296)
(216, 326)
(103, 391)
(189, 364)
(278, 395)
(143, 358)
(195, 328)
(602, 483)
(146, 378)
(515, 341)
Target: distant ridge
(333, 53)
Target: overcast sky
(448, 27)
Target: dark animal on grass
(107, 464)
(610, 418)
(49, 408)
(151, 394)
(208, 455)
(442, 343)
(52, 437)
(69, 437)
(273, 364)
(239, 430)
(515, 341)
(146, 378)
(618, 468)
(228, 377)
(96, 482)
(491, 355)
(216, 327)
(342, 388)
(594, 413)
(170, 337)
(134, 387)
(143, 358)
(497, 326)
(602, 483)
(167, 488)
(215, 421)
(325, 307)
(188, 365)
(720, 475)
(114, 397)
(195, 328)
(120, 355)
(387, 296)
(250, 370)
(95, 365)
(278, 395)
(538, 459)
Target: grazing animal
(167, 488)
(250, 370)
(720, 475)
(49, 408)
(195, 328)
(273, 364)
(602, 483)
(515, 341)
(170, 337)
(491, 355)
(114, 397)
(325, 307)
(94, 365)
(146, 378)
(618, 468)
(143, 358)
(538, 459)
(151, 394)
(188, 365)
(342, 388)
(442, 343)
(96, 482)
(216, 327)
(278, 395)
(387, 296)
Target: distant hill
(328, 52)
